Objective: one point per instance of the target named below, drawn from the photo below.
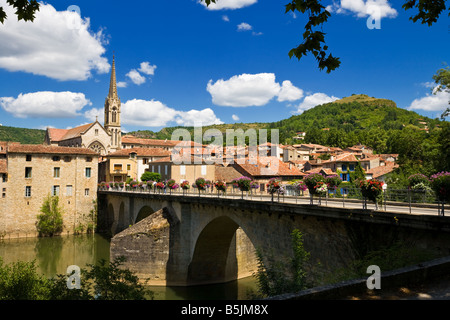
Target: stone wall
(18, 214)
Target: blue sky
(180, 63)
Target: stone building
(131, 163)
(29, 173)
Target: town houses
(72, 163)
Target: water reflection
(53, 256)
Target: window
(344, 176)
(56, 158)
(28, 172)
(145, 161)
(55, 191)
(88, 159)
(28, 191)
(4, 178)
(69, 191)
(344, 167)
(203, 169)
(88, 172)
(28, 157)
(182, 170)
(351, 167)
(67, 159)
(96, 132)
(56, 172)
(118, 167)
(128, 167)
(86, 192)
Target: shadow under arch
(143, 213)
(110, 218)
(121, 223)
(223, 252)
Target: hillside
(22, 135)
(342, 123)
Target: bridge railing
(404, 200)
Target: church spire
(113, 85)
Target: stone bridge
(189, 240)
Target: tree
(151, 176)
(442, 79)
(314, 40)
(25, 10)
(50, 220)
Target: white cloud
(289, 92)
(46, 104)
(228, 4)
(203, 117)
(122, 84)
(244, 27)
(58, 45)
(235, 117)
(374, 8)
(251, 90)
(95, 114)
(136, 77)
(313, 100)
(153, 113)
(225, 18)
(147, 68)
(432, 102)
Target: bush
(151, 176)
(418, 179)
(50, 221)
(440, 183)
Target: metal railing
(403, 200)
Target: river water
(53, 255)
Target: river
(53, 255)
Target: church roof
(57, 135)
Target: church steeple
(113, 84)
(112, 110)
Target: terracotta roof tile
(56, 134)
(128, 139)
(227, 174)
(143, 152)
(42, 149)
(381, 170)
(268, 166)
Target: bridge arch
(223, 252)
(144, 212)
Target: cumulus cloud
(228, 4)
(235, 117)
(289, 92)
(313, 100)
(250, 90)
(372, 8)
(147, 68)
(156, 114)
(438, 101)
(244, 26)
(95, 114)
(136, 77)
(58, 45)
(45, 104)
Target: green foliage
(277, 277)
(25, 9)
(50, 221)
(22, 135)
(388, 258)
(151, 176)
(19, 281)
(104, 281)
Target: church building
(101, 139)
